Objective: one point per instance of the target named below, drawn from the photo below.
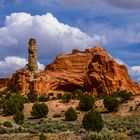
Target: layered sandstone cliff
(93, 70)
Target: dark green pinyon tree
(70, 115)
(86, 102)
(93, 121)
(39, 110)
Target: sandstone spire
(32, 58)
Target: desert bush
(7, 124)
(93, 121)
(10, 106)
(123, 95)
(59, 96)
(39, 110)
(18, 117)
(105, 134)
(101, 96)
(43, 98)
(32, 97)
(111, 104)
(67, 97)
(2, 130)
(86, 102)
(42, 137)
(78, 93)
(18, 96)
(70, 115)
(50, 94)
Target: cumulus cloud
(127, 34)
(12, 63)
(135, 70)
(52, 36)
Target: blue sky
(62, 25)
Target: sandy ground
(124, 109)
(59, 107)
(55, 107)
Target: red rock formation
(3, 83)
(105, 75)
(92, 70)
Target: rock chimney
(32, 58)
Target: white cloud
(52, 36)
(40, 66)
(115, 35)
(135, 70)
(12, 63)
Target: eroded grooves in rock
(32, 58)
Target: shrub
(32, 97)
(111, 104)
(7, 124)
(123, 95)
(59, 96)
(2, 130)
(67, 97)
(18, 96)
(18, 117)
(70, 115)
(10, 106)
(43, 98)
(101, 95)
(105, 134)
(93, 121)
(79, 93)
(39, 110)
(86, 103)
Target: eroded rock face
(104, 75)
(93, 70)
(3, 83)
(32, 58)
(20, 81)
